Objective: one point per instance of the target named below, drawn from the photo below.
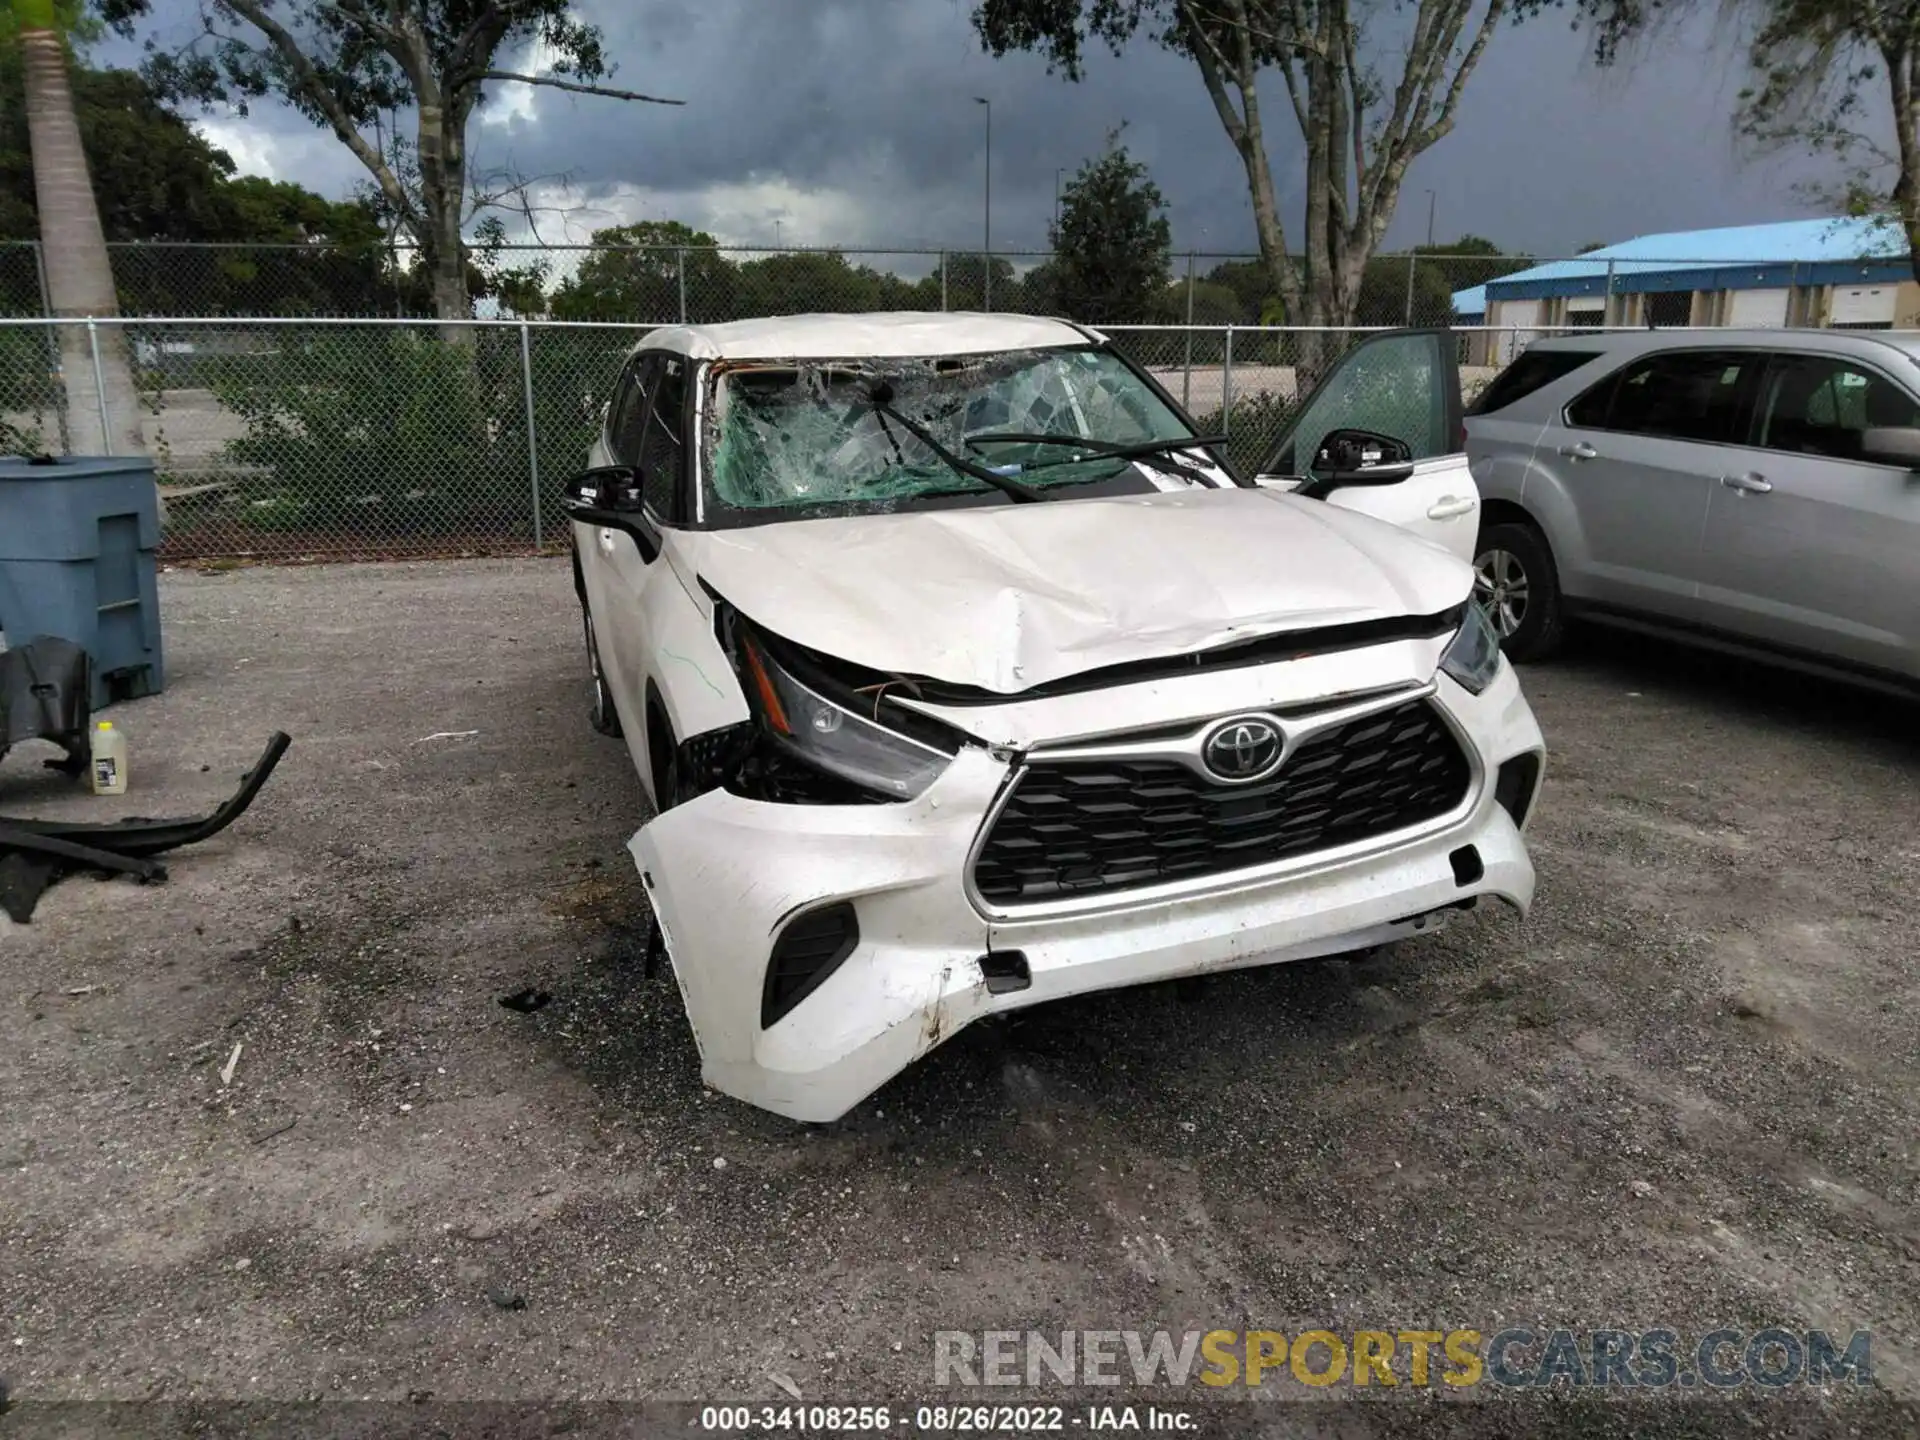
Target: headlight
(1473, 655)
(831, 737)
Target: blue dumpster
(77, 538)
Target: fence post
(943, 282)
(62, 404)
(1793, 299)
(533, 440)
(99, 387)
(1412, 262)
(1186, 383)
(680, 266)
(1606, 315)
(40, 274)
(1226, 386)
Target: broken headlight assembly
(828, 732)
(1472, 657)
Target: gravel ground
(1683, 1093)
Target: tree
(968, 285)
(1359, 132)
(1469, 260)
(1402, 290)
(1111, 242)
(345, 63)
(156, 180)
(1250, 283)
(79, 275)
(1819, 66)
(634, 273)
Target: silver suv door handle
(1580, 450)
(1750, 483)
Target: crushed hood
(1009, 597)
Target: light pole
(1431, 200)
(986, 253)
(1058, 172)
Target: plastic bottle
(109, 760)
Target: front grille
(1092, 826)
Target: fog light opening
(1513, 787)
(1467, 868)
(1005, 971)
(810, 948)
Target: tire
(1514, 578)
(605, 718)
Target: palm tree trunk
(103, 413)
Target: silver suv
(1753, 490)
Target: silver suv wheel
(1501, 586)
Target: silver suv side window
(1822, 404)
(1676, 394)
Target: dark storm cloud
(854, 119)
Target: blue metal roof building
(1789, 255)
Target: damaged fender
(669, 645)
(726, 875)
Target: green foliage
(1112, 242)
(634, 273)
(1250, 285)
(155, 179)
(1384, 293)
(800, 282)
(349, 425)
(1255, 424)
(30, 391)
(1364, 110)
(388, 431)
(345, 66)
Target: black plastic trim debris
(36, 853)
(46, 690)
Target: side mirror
(1357, 457)
(609, 495)
(1892, 445)
(601, 491)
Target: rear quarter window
(1531, 371)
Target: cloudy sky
(852, 123)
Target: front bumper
(725, 874)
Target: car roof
(1641, 342)
(903, 334)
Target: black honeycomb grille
(1077, 827)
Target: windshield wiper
(880, 396)
(1147, 450)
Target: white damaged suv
(964, 675)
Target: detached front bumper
(727, 875)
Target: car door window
(630, 409)
(1823, 405)
(1390, 385)
(662, 451)
(1676, 394)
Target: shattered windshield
(807, 434)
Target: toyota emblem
(1247, 749)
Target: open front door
(1406, 384)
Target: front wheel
(1515, 581)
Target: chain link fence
(301, 439)
(702, 285)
